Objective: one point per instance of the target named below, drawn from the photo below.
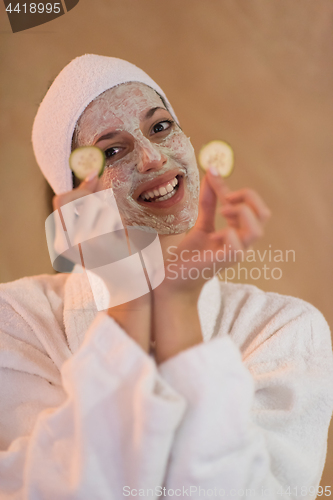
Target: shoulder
(23, 291)
(30, 306)
(41, 284)
(251, 316)
(33, 348)
(244, 292)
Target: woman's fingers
(244, 210)
(248, 225)
(90, 184)
(251, 198)
(218, 185)
(213, 188)
(207, 207)
(245, 195)
(230, 242)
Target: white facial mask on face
(146, 157)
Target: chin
(171, 223)
(180, 225)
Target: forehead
(120, 105)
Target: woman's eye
(110, 152)
(161, 126)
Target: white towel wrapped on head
(79, 83)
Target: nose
(150, 158)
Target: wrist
(170, 294)
(135, 318)
(176, 324)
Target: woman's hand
(94, 217)
(245, 213)
(175, 318)
(90, 185)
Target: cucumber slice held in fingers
(85, 160)
(217, 154)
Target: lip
(170, 201)
(160, 179)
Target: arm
(227, 440)
(135, 318)
(109, 425)
(259, 424)
(175, 324)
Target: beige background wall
(257, 73)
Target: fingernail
(91, 176)
(213, 170)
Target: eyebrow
(151, 111)
(109, 135)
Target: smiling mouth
(164, 192)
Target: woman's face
(150, 163)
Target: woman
(236, 398)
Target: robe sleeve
(105, 430)
(254, 427)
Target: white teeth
(167, 196)
(163, 192)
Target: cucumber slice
(86, 159)
(217, 154)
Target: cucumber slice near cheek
(87, 159)
(218, 154)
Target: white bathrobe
(85, 413)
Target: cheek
(120, 179)
(115, 177)
(180, 148)
(108, 176)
